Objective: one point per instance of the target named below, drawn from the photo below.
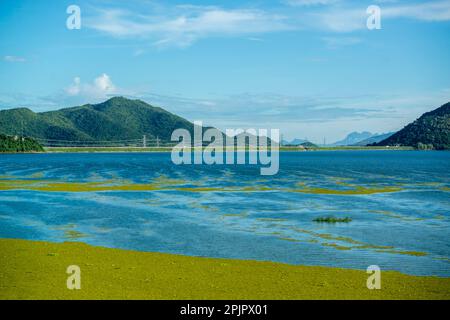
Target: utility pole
(157, 142)
(144, 141)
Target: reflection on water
(398, 203)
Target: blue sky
(309, 67)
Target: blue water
(234, 212)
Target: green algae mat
(37, 270)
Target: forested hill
(115, 119)
(430, 131)
(18, 144)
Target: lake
(398, 201)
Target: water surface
(398, 201)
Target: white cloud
(14, 59)
(183, 25)
(428, 11)
(104, 84)
(187, 24)
(74, 88)
(339, 20)
(101, 88)
(353, 18)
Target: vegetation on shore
(18, 144)
(430, 131)
(332, 219)
(104, 149)
(169, 149)
(37, 270)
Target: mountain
(115, 119)
(430, 131)
(374, 139)
(308, 144)
(18, 144)
(353, 138)
(294, 142)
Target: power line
(89, 141)
(143, 142)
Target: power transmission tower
(157, 142)
(144, 141)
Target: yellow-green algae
(327, 236)
(354, 244)
(354, 190)
(443, 259)
(73, 234)
(70, 231)
(410, 253)
(164, 183)
(395, 215)
(37, 270)
(287, 238)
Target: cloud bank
(181, 26)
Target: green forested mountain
(430, 131)
(115, 119)
(18, 144)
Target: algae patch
(37, 270)
(352, 190)
(164, 183)
(350, 244)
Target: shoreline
(53, 150)
(169, 149)
(37, 270)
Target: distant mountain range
(124, 119)
(353, 138)
(115, 119)
(361, 139)
(374, 139)
(430, 131)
